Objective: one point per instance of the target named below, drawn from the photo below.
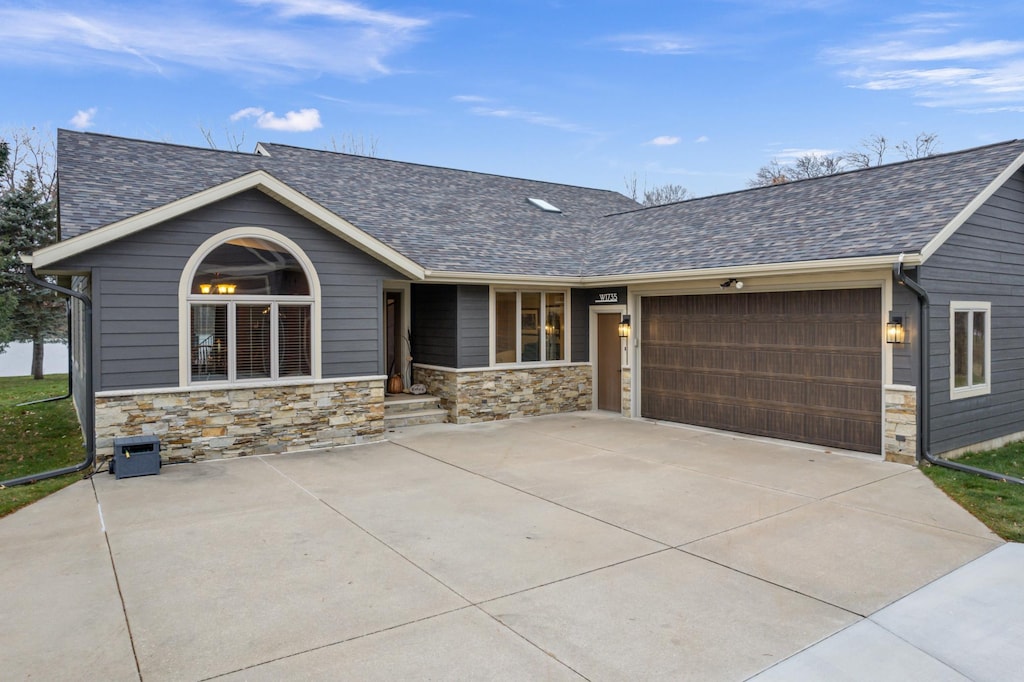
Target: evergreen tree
(28, 222)
(6, 300)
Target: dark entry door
(392, 332)
(802, 365)
(609, 363)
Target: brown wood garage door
(802, 366)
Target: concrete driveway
(579, 546)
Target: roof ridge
(436, 167)
(161, 143)
(790, 183)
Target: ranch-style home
(252, 303)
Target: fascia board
(455, 277)
(938, 240)
(759, 270)
(260, 180)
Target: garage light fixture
(731, 282)
(624, 327)
(894, 332)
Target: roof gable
(260, 180)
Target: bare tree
(665, 194)
(31, 152)
(872, 152)
(350, 144)
(668, 193)
(233, 140)
(925, 144)
(802, 168)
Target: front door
(609, 362)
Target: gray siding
(435, 321)
(904, 364)
(580, 302)
(135, 292)
(983, 261)
(474, 330)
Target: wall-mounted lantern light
(624, 327)
(894, 331)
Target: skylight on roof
(543, 205)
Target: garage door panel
(795, 365)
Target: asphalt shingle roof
(872, 212)
(444, 219)
(458, 221)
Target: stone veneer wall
(196, 424)
(627, 392)
(492, 394)
(900, 428)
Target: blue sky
(589, 93)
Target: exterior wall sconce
(894, 331)
(624, 327)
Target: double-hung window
(250, 314)
(970, 348)
(529, 326)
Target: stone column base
(900, 426)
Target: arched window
(250, 311)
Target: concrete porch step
(412, 410)
(415, 418)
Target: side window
(970, 352)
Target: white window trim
(970, 307)
(566, 324)
(232, 302)
(186, 298)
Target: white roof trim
(261, 180)
(759, 270)
(968, 210)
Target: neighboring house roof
(451, 221)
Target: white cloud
(531, 117)
(348, 40)
(792, 154)
(653, 43)
(664, 141)
(931, 57)
(342, 11)
(470, 98)
(301, 121)
(702, 139)
(83, 119)
(246, 113)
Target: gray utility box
(136, 456)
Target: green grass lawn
(36, 438)
(1000, 506)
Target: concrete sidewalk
(580, 546)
